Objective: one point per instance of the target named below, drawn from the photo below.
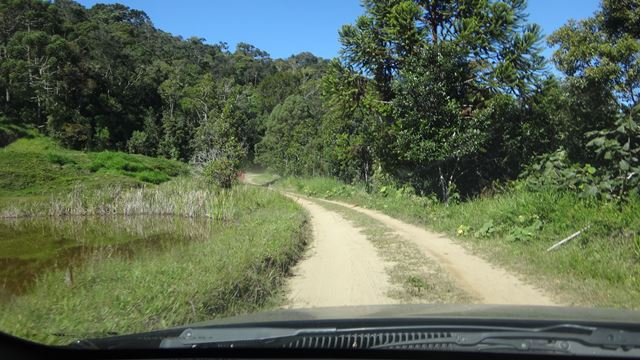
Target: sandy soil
(487, 282)
(340, 268)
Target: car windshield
(175, 165)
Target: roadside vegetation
(239, 268)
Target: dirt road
(487, 282)
(343, 267)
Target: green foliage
(106, 78)
(153, 177)
(555, 171)
(485, 230)
(221, 172)
(619, 154)
(108, 160)
(101, 139)
(138, 142)
(75, 136)
(616, 175)
(290, 143)
(600, 57)
(220, 166)
(59, 159)
(139, 167)
(426, 91)
(526, 228)
(433, 134)
(12, 132)
(38, 167)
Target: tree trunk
(444, 186)
(433, 20)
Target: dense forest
(439, 97)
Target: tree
(474, 53)
(434, 134)
(290, 144)
(348, 130)
(601, 58)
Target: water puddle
(31, 247)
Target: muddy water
(32, 247)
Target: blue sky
(286, 27)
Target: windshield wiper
(561, 339)
(564, 338)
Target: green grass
(239, 269)
(599, 268)
(35, 167)
(11, 132)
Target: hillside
(36, 167)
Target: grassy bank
(240, 268)
(35, 166)
(599, 268)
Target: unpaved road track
(487, 282)
(341, 267)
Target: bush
(137, 144)
(101, 139)
(556, 172)
(222, 172)
(74, 136)
(220, 166)
(153, 177)
(59, 159)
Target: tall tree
(473, 50)
(601, 58)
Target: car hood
(387, 315)
(431, 311)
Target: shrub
(153, 177)
(221, 172)
(59, 159)
(220, 166)
(73, 135)
(137, 144)
(101, 139)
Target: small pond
(32, 246)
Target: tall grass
(514, 228)
(182, 197)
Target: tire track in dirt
(485, 281)
(341, 268)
